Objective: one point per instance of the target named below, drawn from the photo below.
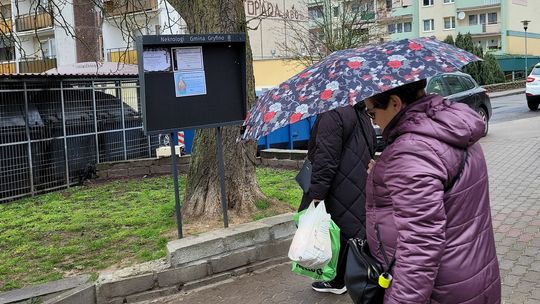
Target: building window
(493, 44)
(448, 1)
(428, 2)
(389, 4)
(48, 48)
(492, 18)
(405, 27)
(336, 11)
(429, 25)
(5, 10)
(482, 18)
(473, 19)
(449, 23)
(315, 11)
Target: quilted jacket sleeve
(327, 154)
(415, 176)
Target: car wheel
(484, 115)
(533, 103)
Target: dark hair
(408, 93)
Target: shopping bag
(311, 245)
(326, 272)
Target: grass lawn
(88, 228)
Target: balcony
(33, 22)
(122, 55)
(6, 26)
(472, 5)
(8, 67)
(27, 66)
(482, 30)
(122, 7)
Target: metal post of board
(221, 171)
(176, 187)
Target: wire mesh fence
(53, 133)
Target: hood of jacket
(433, 116)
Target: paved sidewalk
(513, 154)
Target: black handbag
(363, 272)
(303, 178)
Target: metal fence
(53, 133)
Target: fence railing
(53, 133)
(33, 21)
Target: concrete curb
(509, 93)
(200, 260)
(43, 291)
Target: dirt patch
(195, 227)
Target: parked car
(533, 88)
(457, 87)
(461, 87)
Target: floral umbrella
(349, 76)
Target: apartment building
(37, 35)
(495, 26)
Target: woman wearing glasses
(428, 198)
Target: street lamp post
(525, 27)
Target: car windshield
(536, 70)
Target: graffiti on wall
(271, 9)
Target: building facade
(495, 25)
(37, 35)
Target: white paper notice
(189, 58)
(189, 77)
(190, 83)
(156, 60)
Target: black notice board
(224, 72)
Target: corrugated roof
(95, 69)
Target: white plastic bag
(311, 246)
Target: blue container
(288, 135)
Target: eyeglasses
(370, 112)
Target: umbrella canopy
(349, 76)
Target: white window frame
(449, 1)
(48, 48)
(431, 3)
(432, 25)
(410, 27)
(393, 28)
(476, 18)
(452, 23)
(496, 18)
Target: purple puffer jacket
(443, 242)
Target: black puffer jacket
(339, 153)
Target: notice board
(191, 81)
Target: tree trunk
(203, 198)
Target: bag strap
(381, 248)
(461, 167)
(370, 147)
